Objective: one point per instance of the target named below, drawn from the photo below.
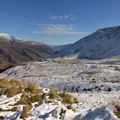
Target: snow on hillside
(96, 84)
(7, 37)
(104, 43)
(12, 39)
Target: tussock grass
(70, 107)
(26, 112)
(3, 82)
(31, 94)
(36, 98)
(67, 98)
(53, 93)
(117, 106)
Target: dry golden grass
(36, 98)
(31, 88)
(3, 82)
(30, 94)
(70, 107)
(26, 112)
(53, 93)
(117, 111)
(67, 98)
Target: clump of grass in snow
(53, 93)
(26, 112)
(70, 107)
(67, 98)
(62, 112)
(31, 94)
(117, 106)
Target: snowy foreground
(95, 83)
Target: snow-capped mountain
(7, 37)
(104, 43)
(14, 50)
(12, 39)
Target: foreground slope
(95, 83)
(104, 43)
(14, 50)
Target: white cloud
(31, 23)
(58, 29)
(59, 17)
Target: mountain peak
(8, 37)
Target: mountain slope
(59, 47)
(104, 43)
(14, 50)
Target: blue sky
(56, 22)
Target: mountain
(104, 43)
(14, 50)
(59, 47)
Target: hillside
(104, 43)
(59, 47)
(14, 50)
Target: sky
(57, 22)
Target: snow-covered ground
(96, 84)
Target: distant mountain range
(14, 50)
(104, 43)
(59, 47)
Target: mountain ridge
(14, 50)
(104, 43)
